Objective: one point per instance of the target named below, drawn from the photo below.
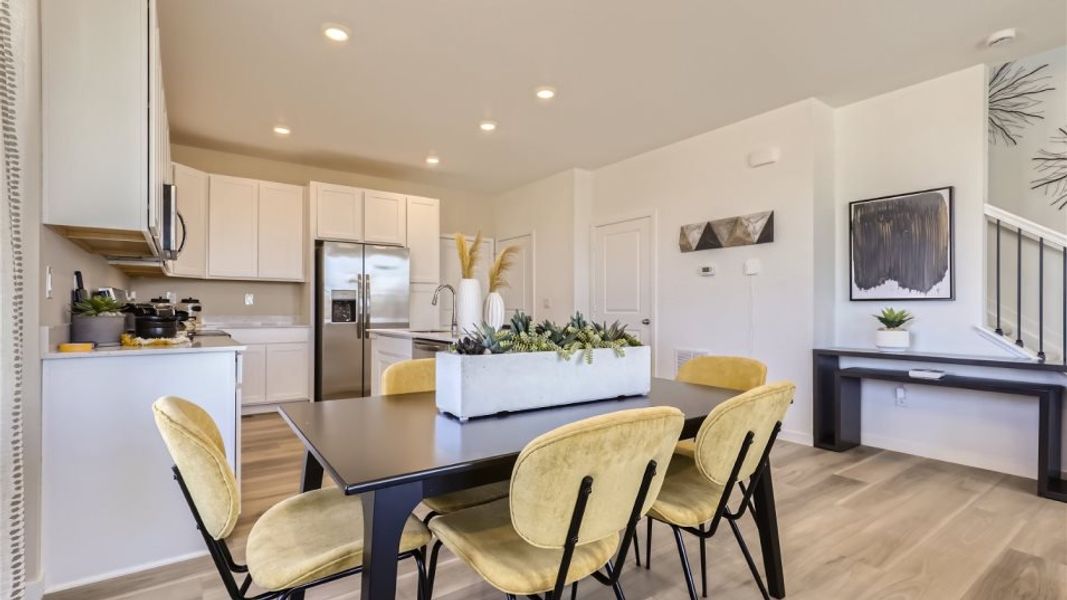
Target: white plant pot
(469, 305)
(473, 386)
(892, 339)
(494, 309)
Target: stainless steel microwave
(170, 245)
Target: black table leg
(1050, 483)
(311, 477)
(385, 512)
(767, 521)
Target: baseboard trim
(137, 571)
(968, 459)
(797, 437)
(34, 590)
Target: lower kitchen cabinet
(276, 364)
(384, 351)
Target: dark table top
(370, 443)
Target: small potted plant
(97, 319)
(469, 295)
(892, 335)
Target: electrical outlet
(901, 398)
(546, 303)
(250, 299)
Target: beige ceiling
(418, 75)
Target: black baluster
(1041, 299)
(1063, 321)
(1019, 287)
(1000, 330)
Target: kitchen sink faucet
(444, 286)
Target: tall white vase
(494, 309)
(469, 305)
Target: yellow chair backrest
(729, 372)
(614, 449)
(410, 376)
(722, 433)
(195, 445)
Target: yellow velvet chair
(419, 375)
(728, 372)
(299, 543)
(573, 490)
(732, 446)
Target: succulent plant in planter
(97, 319)
(892, 336)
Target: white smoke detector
(1003, 36)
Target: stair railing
(1012, 224)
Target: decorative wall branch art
(1014, 100)
(1051, 168)
(756, 228)
(901, 248)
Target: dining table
(393, 451)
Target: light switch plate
(753, 266)
(250, 299)
(48, 282)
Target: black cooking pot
(153, 326)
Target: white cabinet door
(338, 212)
(424, 229)
(192, 186)
(254, 376)
(233, 226)
(281, 231)
(385, 351)
(287, 372)
(384, 218)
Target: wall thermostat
(706, 270)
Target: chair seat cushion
(687, 498)
(483, 537)
(686, 448)
(451, 502)
(311, 536)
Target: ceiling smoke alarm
(1000, 37)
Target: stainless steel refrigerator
(358, 287)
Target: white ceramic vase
(894, 340)
(494, 309)
(469, 305)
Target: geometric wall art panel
(900, 247)
(756, 228)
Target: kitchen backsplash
(228, 297)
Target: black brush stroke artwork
(1051, 168)
(1014, 100)
(904, 239)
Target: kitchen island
(394, 345)
(110, 504)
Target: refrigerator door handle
(360, 334)
(366, 303)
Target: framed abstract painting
(901, 247)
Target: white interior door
(519, 293)
(622, 275)
(450, 272)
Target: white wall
(929, 135)
(770, 315)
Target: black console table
(837, 402)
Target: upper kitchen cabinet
(423, 232)
(337, 212)
(193, 207)
(384, 218)
(281, 231)
(104, 136)
(255, 230)
(233, 227)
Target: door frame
(500, 243)
(653, 217)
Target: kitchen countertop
(440, 335)
(202, 344)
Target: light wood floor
(862, 524)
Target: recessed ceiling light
(433, 160)
(487, 125)
(545, 92)
(282, 130)
(1000, 37)
(335, 32)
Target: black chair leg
(420, 563)
(510, 596)
(574, 590)
(294, 595)
(703, 564)
(648, 544)
(684, 556)
(748, 559)
(637, 548)
(616, 585)
(431, 569)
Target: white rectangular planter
(473, 386)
